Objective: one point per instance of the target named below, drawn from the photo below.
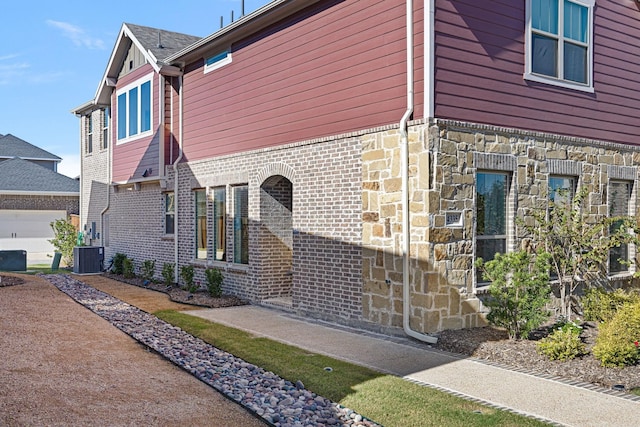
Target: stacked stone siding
(444, 159)
(43, 203)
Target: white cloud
(11, 71)
(77, 35)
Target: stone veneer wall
(45, 203)
(444, 160)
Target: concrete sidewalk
(546, 399)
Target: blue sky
(54, 53)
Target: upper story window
(559, 43)
(216, 61)
(134, 110)
(105, 127)
(90, 133)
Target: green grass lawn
(386, 399)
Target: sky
(53, 55)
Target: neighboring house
(32, 195)
(306, 147)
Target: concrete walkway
(546, 399)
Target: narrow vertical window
(561, 190)
(219, 224)
(133, 111)
(491, 215)
(201, 224)
(619, 196)
(241, 225)
(145, 107)
(105, 128)
(90, 133)
(169, 213)
(122, 116)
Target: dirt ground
(60, 365)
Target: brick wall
(44, 203)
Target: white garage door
(29, 231)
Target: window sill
(134, 137)
(238, 268)
(167, 238)
(559, 83)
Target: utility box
(13, 260)
(88, 259)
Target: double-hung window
(105, 128)
(559, 43)
(134, 103)
(619, 196)
(90, 133)
(491, 215)
(169, 213)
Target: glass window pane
(561, 189)
(544, 15)
(544, 55)
(219, 224)
(122, 116)
(169, 209)
(575, 21)
(133, 111)
(575, 63)
(491, 204)
(241, 225)
(619, 195)
(201, 224)
(145, 107)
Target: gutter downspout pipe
(404, 153)
(175, 182)
(109, 161)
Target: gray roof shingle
(170, 42)
(12, 146)
(22, 175)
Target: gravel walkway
(276, 400)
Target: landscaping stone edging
(277, 401)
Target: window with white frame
(491, 214)
(169, 213)
(134, 103)
(561, 190)
(90, 133)
(619, 196)
(105, 127)
(216, 61)
(219, 224)
(241, 224)
(559, 43)
(201, 223)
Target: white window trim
(631, 211)
(218, 64)
(138, 83)
(529, 75)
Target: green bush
(600, 305)
(148, 269)
(168, 272)
(519, 291)
(128, 268)
(617, 337)
(563, 343)
(187, 273)
(117, 263)
(64, 240)
(214, 282)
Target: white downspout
(175, 183)
(109, 160)
(404, 153)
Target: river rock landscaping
(277, 401)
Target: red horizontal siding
(322, 72)
(480, 67)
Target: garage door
(30, 231)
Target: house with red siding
(349, 160)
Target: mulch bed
(10, 281)
(200, 298)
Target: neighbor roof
(23, 177)
(161, 43)
(11, 146)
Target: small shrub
(617, 337)
(117, 263)
(65, 237)
(168, 272)
(187, 273)
(128, 268)
(599, 305)
(148, 269)
(214, 282)
(563, 343)
(519, 291)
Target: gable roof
(154, 43)
(11, 146)
(18, 176)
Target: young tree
(578, 242)
(65, 237)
